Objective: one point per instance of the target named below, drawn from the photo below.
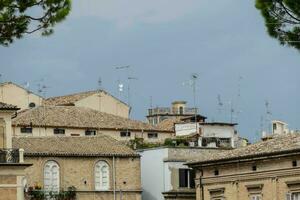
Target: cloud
(129, 12)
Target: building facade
(80, 121)
(19, 96)
(99, 100)
(164, 175)
(12, 163)
(266, 170)
(97, 167)
(210, 134)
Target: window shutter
(288, 196)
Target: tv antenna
(99, 91)
(268, 115)
(128, 89)
(1, 81)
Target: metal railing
(9, 156)
(166, 110)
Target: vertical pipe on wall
(114, 177)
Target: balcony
(8, 156)
(166, 110)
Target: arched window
(51, 176)
(101, 176)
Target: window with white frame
(51, 176)
(101, 176)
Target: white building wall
(186, 128)
(217, 131)
(154, 172)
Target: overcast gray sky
(164, 42)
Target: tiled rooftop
(76, 146)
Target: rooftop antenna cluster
(129, 79)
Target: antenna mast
(194, 78)
(268, 115)
(100, 90)
(2, 97)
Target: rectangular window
(26, 130)
(90, 132)
(274, 126)
(183, 178)
(255, 197)
(192, 178)
(125, 134)
(59, 131)
(152, 135)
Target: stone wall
(273, 179)
(79, 172)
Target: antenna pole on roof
(1, 88)
(120, 85)
(100, 90)
(194, 78)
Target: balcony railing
(166, 110)
(10, 156)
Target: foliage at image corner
(22, 17)
(282, 20)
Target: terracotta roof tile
(72, 98)
(78, 117)
(72, 146)
(276, 145)
(4, 106)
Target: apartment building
(14, 94)
(81, 121)
(98, 100)
(266, 170)
(95, 167)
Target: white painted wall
(155, 176)
(217, 131)
(185, 129)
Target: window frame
(124, 134)
(90, 131)
(99, 186)
(152, 135)
(56, 131)
(53, 164)
(26, 128)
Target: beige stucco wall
(235, 178)
(74, 171)
(105, 103)
(15, 95)
(6, 129)
(36, 131)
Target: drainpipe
(114, 177)
(201, 185)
